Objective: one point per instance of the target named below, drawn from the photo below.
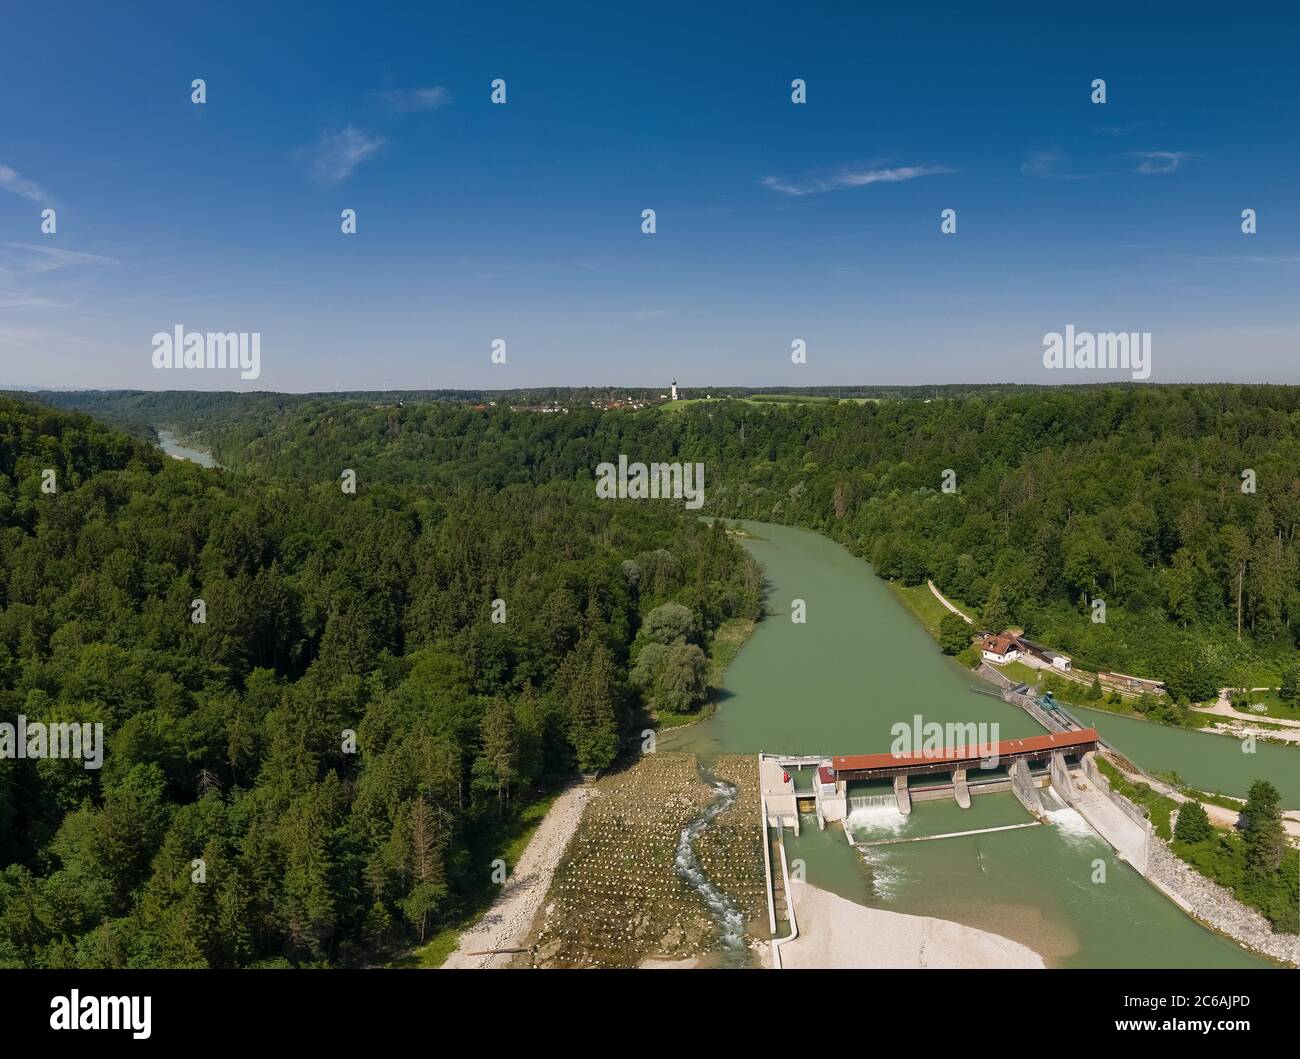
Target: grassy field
(731, 636)
(1273, 705)
(1020, 672)
(921, 602)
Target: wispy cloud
(337, 154)
(21, 299)
(1049, 164)
(1291, 260)
(845, 179)
(1160, 161)
(1115, 130)
(20, 260)
(417, 99)
(31, 257)
(11, 180)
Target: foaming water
(877, 821)
(1071, 825)
(886, 876)
(729, 920)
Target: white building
(1000, 649)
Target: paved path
(1224, 709)
(507, 923)
(942, 599)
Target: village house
(1000, 649)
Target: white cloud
(845, 179)
(30, 257)
(338, 153)
(1047, 164)
(418, 99)
(10, 180)
(1160, 161)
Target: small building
(825, 780)
(1000, 649)
(1041, 657)
(1131, 683)
(674, 389)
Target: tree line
(1144, 529)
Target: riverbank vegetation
(332, 707)
(1255, 863)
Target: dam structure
(1021, 766)
(1061, 762)
(1043, 772)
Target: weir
(873, 801)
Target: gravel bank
(507, 923)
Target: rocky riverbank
(1216, 906)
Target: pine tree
(593, 707)
(1262, 829)
(1193, 823)
(501, 748)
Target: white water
(872, 801)
(1071, 825)
(887, 877)
(731, 924)
(875, 821)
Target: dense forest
(324, 702)
(1177, 507)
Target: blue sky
(775, 221)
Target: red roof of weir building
(1006, 748)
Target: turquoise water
(838, 683)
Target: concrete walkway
(1110, 821)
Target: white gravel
(507, 923)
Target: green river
(860, 663)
